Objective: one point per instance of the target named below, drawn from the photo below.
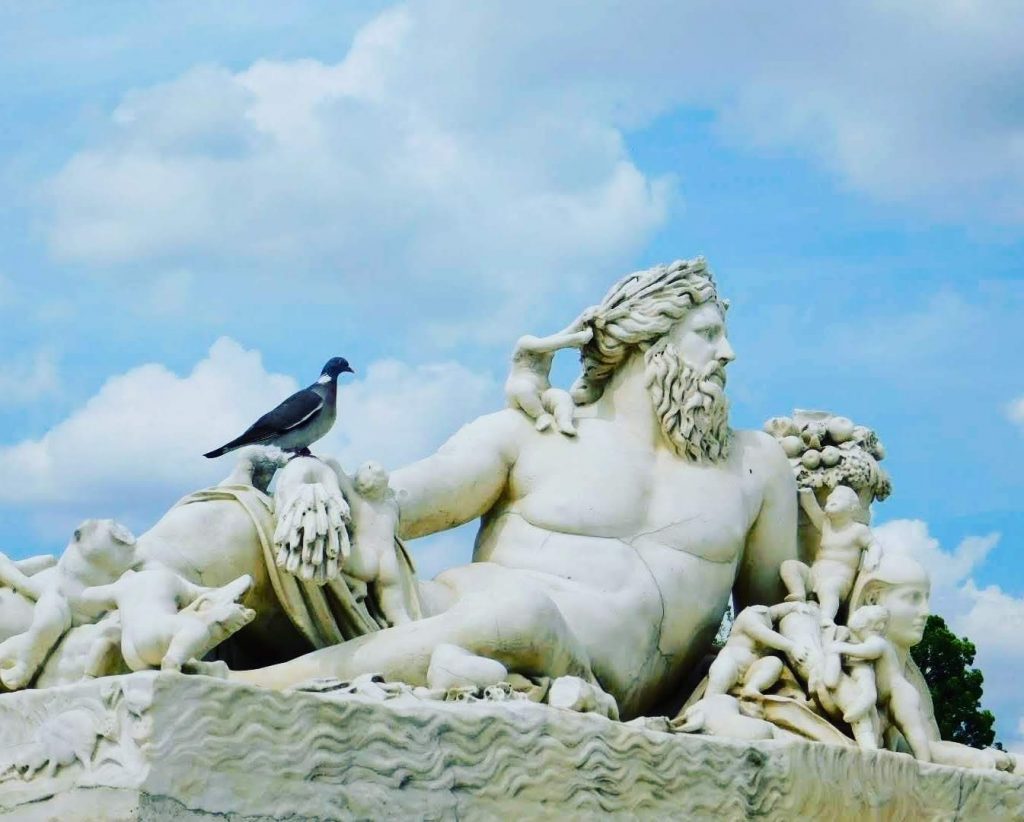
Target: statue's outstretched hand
(313, 519)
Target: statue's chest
(601, 486)
(706, 513)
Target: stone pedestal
(167, 746)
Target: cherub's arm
(768, 637)
(555, 342)
(871, 648)
(13, 575)
(777, 612)
(809, 503)
(98, 598)
(188, 592)
(871, 551)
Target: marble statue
(844, 543)
(375, 558)
(744, 661)
(858, 701)
(166, 620)
(99, 552)
(528, 386)
(617, 520)
(673, 511)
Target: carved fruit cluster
(826, 450)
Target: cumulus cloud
(386, 167)
(136, 446)
(489, 146)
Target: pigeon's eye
(78, 534)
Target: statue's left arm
(772, 538)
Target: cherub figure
(528, 386)
(374, 558)
(166, 620)
(857, 700)
(98, 553)
(843, 542)
(879, 669)
(746, 656)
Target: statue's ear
(122, 534)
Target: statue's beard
(690, 405)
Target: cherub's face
(842, 502)
(371, 479)
(105, 543)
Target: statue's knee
(519, 619)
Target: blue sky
(203, 202)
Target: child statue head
(105, 544)
(902, 586)
(868, 619)
(371, 480)
(842, 504)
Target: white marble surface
(166, 746)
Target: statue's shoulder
(761, 450)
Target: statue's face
(908, 609)
(700, 338)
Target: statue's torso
(638, 548)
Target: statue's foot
(544, 422)
(215, 668)
(574, 694)
(15, 676)
(566, 425)
(19, 662)
(455, 667)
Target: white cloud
(399, 413)
(27, 379)
(136, 446)
(392, 166)
(488, 146)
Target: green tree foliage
(945, 660)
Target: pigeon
(300, 420)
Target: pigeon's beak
(349, 369)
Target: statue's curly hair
(637, 311)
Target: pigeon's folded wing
(294, 411)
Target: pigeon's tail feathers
(238, 442)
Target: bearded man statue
(610, 555)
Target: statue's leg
(795, 576)
(196, 635)
(829, 593)
(525, 632)
(22, 655)
(764, 673)
(723, 674)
